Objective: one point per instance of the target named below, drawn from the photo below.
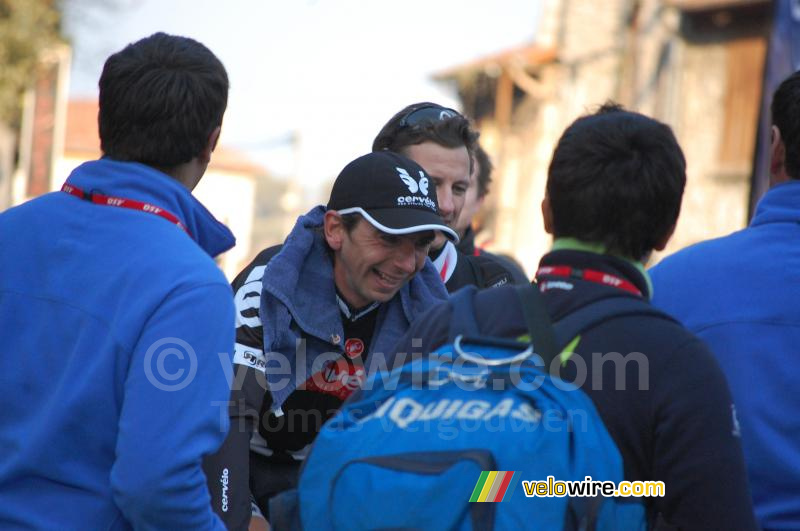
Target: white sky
(330, 71)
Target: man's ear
(662, 243)
(211, 144)
(547, 215)
(777, 158)
(334, 229)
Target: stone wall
(698, 73)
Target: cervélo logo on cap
(415, 187)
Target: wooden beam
(504, 100)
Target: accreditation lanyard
(121, 202)
(590, 275)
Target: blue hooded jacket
(741, 295)
(116, 340)
(299, 302)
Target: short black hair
(350, 221)
(160, 99)
(785, 110)
(617, 179)
(452, 131)
(484, 174)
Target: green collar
(573, 244)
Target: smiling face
(448, 169)
(370, 265)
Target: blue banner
(783, 58)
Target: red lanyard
(100, 199)
(591, 275)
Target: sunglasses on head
(426, 114)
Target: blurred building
(694, 64)
(44, 115)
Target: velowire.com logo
(493, 486)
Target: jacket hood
(131, 180)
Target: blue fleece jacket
(741, 295)
(116, 338)
(299, 300)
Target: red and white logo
(337, 378)
(353, 347)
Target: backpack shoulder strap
(537, 320)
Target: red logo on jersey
(337, 378)
(353, 347)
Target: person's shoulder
(198, 270)
(31, 206)
(511, 265)
(646, 323)
(498, 310)
(499, 295)
(662, 330)
(156, 254)
(490, 272)
(255, 269)
(664, 341)
(175, 247)
(685, 282)
(487, 305)
(701, 255)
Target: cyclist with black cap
(317, 314)
(442, 141)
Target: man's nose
(446, 205)
(405, 257)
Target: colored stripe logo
(492, 486)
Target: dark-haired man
(319, 313)
(740, 294)
(117, 325)
(613, 195)
(443, 142)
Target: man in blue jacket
(117, 326)
(319, 313)
(741, 294)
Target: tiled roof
(532, 54)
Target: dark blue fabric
(463, 321)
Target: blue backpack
(416, 447)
